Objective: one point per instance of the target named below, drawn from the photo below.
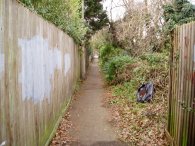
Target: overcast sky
(118, 11)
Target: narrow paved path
(89, 118)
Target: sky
(192, 1)
(118, 12)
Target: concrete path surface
(89, 118)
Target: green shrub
(177, 13)
(65, 14)
(100, 38)
(155, 58)
(149, 67)
(107, 52)
(119, 69)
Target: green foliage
(95, 16)
(65, 14)
(178, 13)
(107, 51)
(126, 90)
(115, 63)
(149, 67)
(145, 118)
(155, 58)
(100, 38)
(28, 3)
(118, 69)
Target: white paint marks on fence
(194, 57)
(3, 143)
(39, 63)
(1, 63)
(67, 63)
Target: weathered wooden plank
(176, 70)
(186, 85)
(179, 87)
(181, 108)
(173, 84)
(192, 142)
(39, 67)
(2, 61)
(190, 122)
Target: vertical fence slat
(190, 123)
(176, 59)
(193, 91)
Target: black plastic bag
(145, 92)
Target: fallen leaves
(62, 136)
(139, 124)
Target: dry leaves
(62, 136)
(139, 124)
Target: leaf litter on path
(62, 136)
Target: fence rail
(182, 87)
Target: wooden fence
(182, 87)
(39, 68)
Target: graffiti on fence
(67, 63)
(39, 63)
(194, 58)
(1, 63)
(193, 74)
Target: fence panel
(39, 68)
(182, 100)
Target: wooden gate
(182, 84)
